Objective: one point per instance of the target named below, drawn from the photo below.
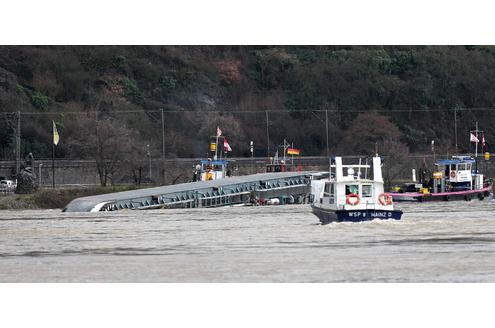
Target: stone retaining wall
(84, 172)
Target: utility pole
(455, 128)
(267, 136)
(18, 145)
(149, 158)
(326, 126)
(252, 154)
(163, 149)
(40, 166)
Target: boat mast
(292, 156)
(359, 169)
(366, 169)
(476, 134)
(285, 148)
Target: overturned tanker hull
(288, 187)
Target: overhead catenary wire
(191, 110)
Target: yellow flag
(55, 134)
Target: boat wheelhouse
(452, 179)
(352, 193)
(209, 169)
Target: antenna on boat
(366, 169)
(359, 169)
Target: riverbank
(48, 198)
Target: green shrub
(40, 101)
(168, 82)
(133, 92)
(119, 62)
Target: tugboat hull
(442, 196)
(327, 215)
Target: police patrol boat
(349, 194)
(457, 178)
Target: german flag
(293, 151)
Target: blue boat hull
(327, 216)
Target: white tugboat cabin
(351, 194)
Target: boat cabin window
(367, 191)
(329, 187)
(275, 168)
(351, 189)
(461, 167)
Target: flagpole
(476, 151)
(53, 165)
(216, 145)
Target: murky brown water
(435, 242)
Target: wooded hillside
(396, 98)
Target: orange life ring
(352, 203)
(385, 199)
(452, 174)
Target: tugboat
(280, 165)
(348, 194)
(453, 179)
(216, 168)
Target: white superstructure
(352, 187)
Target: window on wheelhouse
(351, 189)
(329, 191)
(367, 191)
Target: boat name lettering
(357, 214)
(373, 214)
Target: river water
(434, 242)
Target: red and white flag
(473, 138)
(226, 145)
(219, 132)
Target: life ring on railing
(385, 199)
(452, 174)
(350, 202)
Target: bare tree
(109, 142)
(372, 133)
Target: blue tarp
(215, 162)
(455, 161)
